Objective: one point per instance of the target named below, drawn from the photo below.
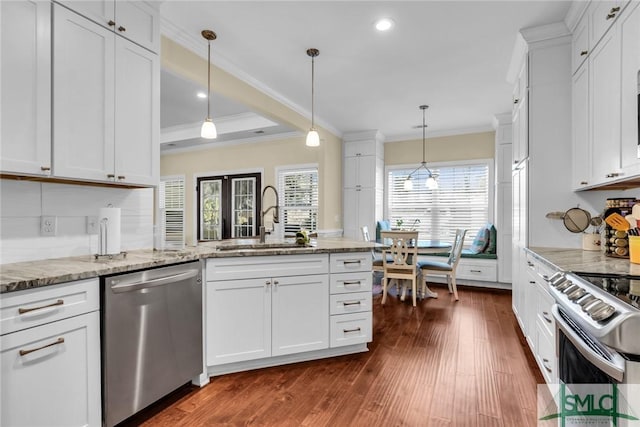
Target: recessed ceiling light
(202, 95)
(384, 24)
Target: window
(171, 205)
(298, 191)
(463, 200)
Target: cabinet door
(602, 15)
(580, 43)
(630, 89)
(58, 382)
(83, 105)
(300, 314)
(25, 84)
(350, 225)
(137, 101)
(138, 22)
(238, 320)
(604, 91)
(350, 172)
(581, 147)
(99, 11)
(366, 171)
(366, 207)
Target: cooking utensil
(617, 222)
(576, 220)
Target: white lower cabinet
(50, 361)
(264, 316)
(351, 287)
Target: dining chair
(377, 261)
(445, 268)
(399, 261)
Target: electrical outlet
(48, 225)
(92, 225)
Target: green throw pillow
(493, 240)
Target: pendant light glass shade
(431, 183)
(208, 130)
(313, 139)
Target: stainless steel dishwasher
(151, 336)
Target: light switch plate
(48, 225)
(92, 225)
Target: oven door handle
(614, 368)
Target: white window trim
(279, 229)
(491, 185)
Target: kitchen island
(261, 306)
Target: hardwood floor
(443, 363)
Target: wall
(24, 202)
(441, 149)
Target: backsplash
(24, 202)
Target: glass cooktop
(624, 287)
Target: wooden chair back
(456, 248)
(403, 254)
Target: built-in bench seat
(474, 267)
(466, 254)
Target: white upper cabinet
(25, 84)
(605, 111)
(83, 105)
(580, 44)
(630, 90)
(134, 20)
(105, 104)
(602, 14)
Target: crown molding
(198, 46)
(441, 133)
(363, 135)
(501, 119)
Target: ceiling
(451, 55)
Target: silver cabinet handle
(476, 271)
(345, 303)
(161, 281)
(352, 261)
(121, 177)
(27, 310)
(275, 282)
(544, 363)
(267, 282)
(346, 331)
(351, 283)
(583, 53)
(58, 341)
(111, 23)
(612, 175)
(45, 168)
(545, 315)
(122, 29)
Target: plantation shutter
(461, 201)
(171, 199)
(298, 191)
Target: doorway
(228, 206)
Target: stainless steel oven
(598, 325)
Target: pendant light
(209, 130)
(431, 183)
(313, 139)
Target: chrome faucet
(276, 213)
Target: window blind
(461, 201)
(171, 204)
(298, 191)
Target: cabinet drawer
(486, 272)
(348, 262)
(48, 304)
(348, 329)
(350, 303)
(546, 353)
(545, 301)
(351, 282)
(58, 373)
(266, 266)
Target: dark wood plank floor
(443, 363)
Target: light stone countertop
(577, 260)
(31, 274)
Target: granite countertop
(31, 274)
(577, 260)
